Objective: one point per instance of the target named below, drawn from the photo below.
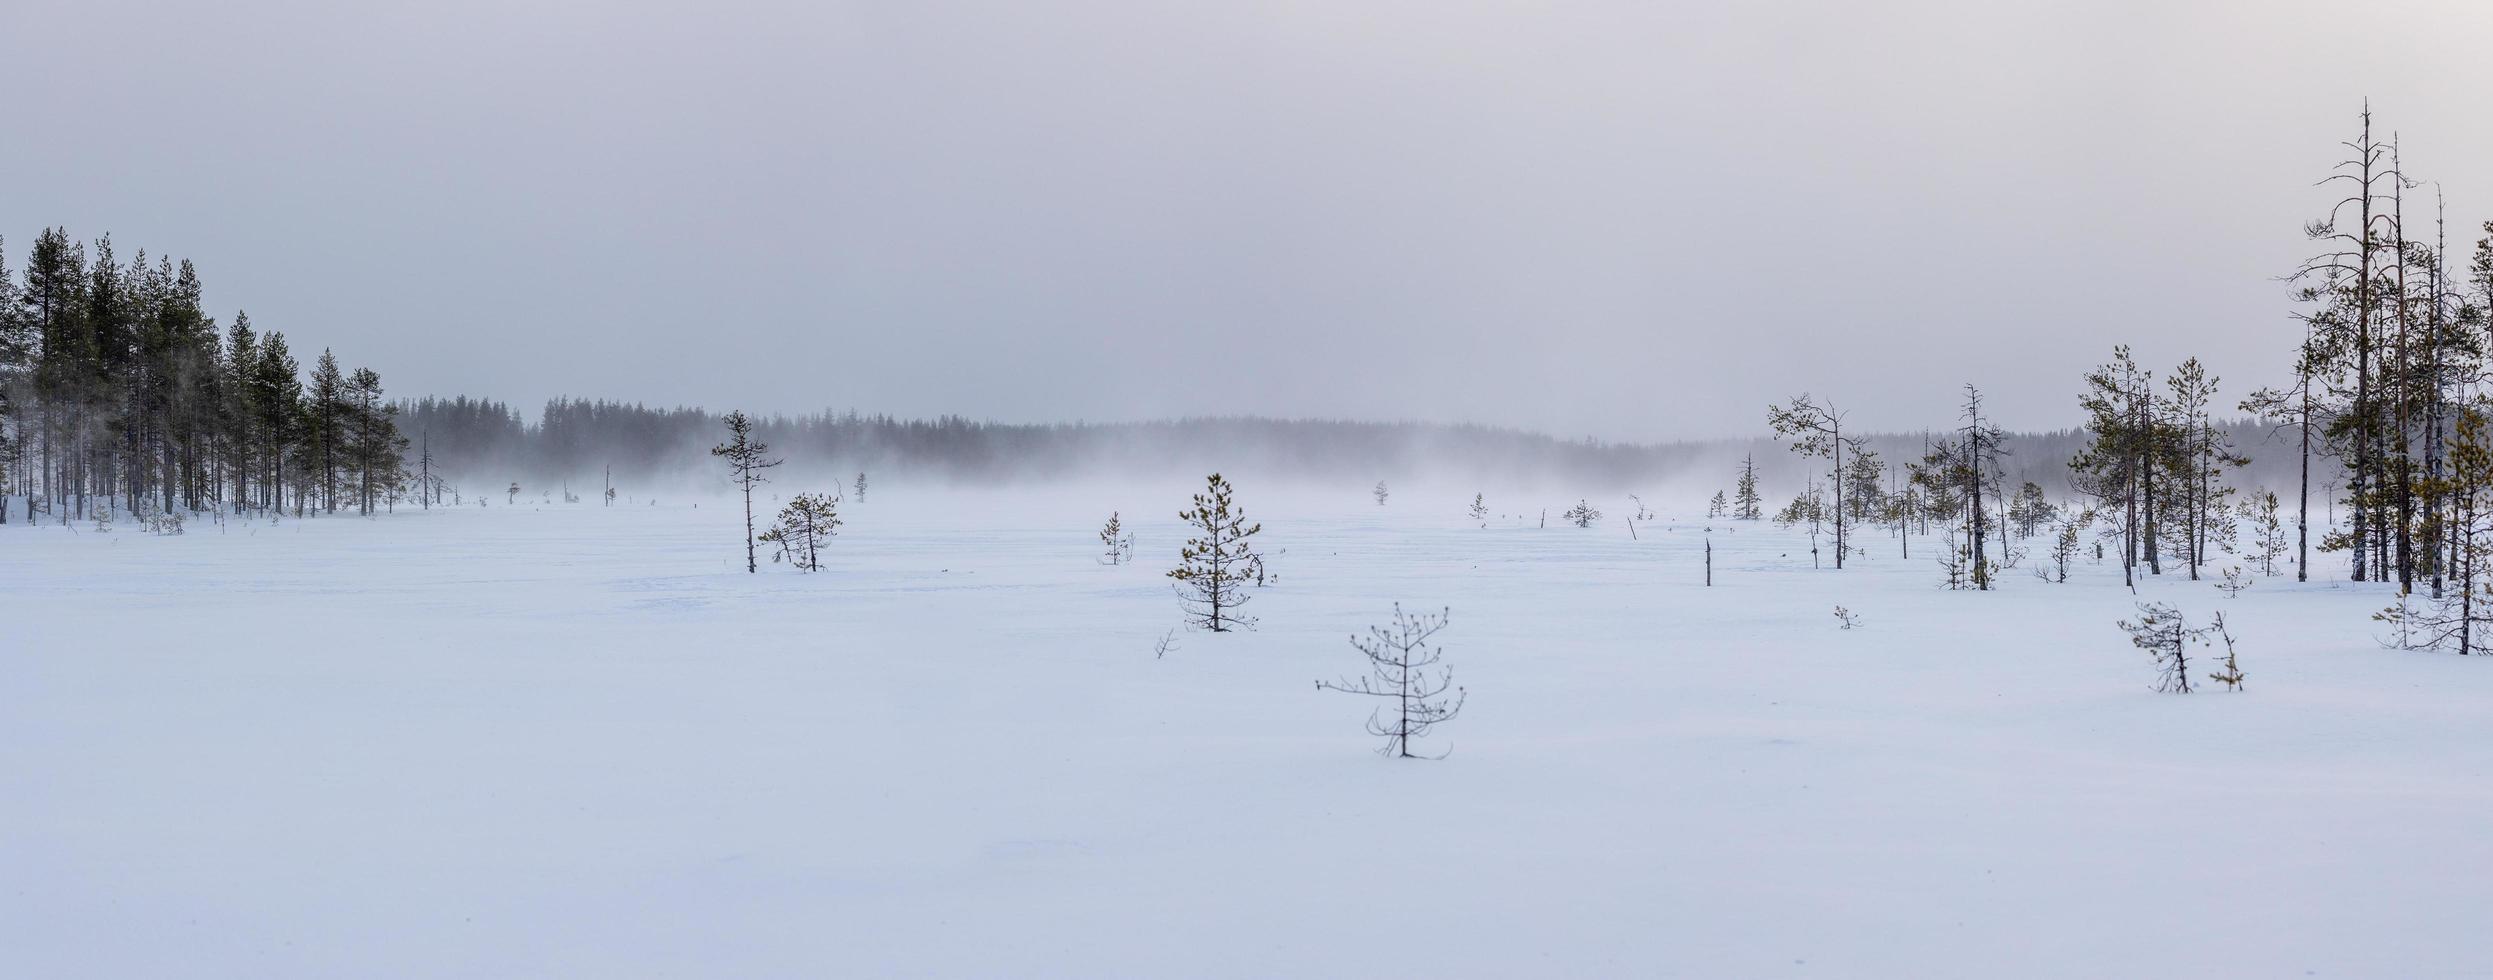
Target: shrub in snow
(809, 520)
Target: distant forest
(488, 443)
(120, 395)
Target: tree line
(119, 393)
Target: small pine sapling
(1746, 503)
(2233, 582)
(1717, 507)
(1403, 666)
(1480, 510)
(2231, 674)
(1120, 545)
(2065, 544)
(1379, 493)
(861, 486)
(1583, 514)
(1846, 618)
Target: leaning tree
(809, 520)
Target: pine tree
(1583, 514)
(327, 394)
(2260, 511)
(1865, 497)
(1479, 510)
(1717, 507)
(1214, 569)
(1810, 508)
(1817, 429)
(2117, 467)
(2031, 510)
(2347, 280)
(2203, 452)
(2065, 544)
(278, 393)
(377, 448)
(2450, 621)
(1379, 493)
(746, 459)
(1746, 504)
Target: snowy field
(542, 741)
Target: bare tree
(1403, 666)
(746, 459)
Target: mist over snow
(1100, 489)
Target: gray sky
(1628, 220)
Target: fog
(1625, 221)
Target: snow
(551, 740)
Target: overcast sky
(1627, 220)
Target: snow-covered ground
(580, 741)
